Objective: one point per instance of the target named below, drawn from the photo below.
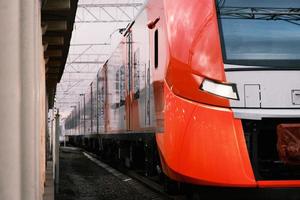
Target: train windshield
(260, 33)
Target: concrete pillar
(10, 97)
(20, 102)
(52, 139)
(56, 151)
(30, 110)
(52, 132)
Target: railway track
(156, 190)
(129, 175)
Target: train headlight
(227, 90)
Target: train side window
(156, 49)
(122, 85)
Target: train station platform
(49, 184)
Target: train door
(101, 105)
(135, 116)
(138, 78)
(136, 100)
(156, 73)
(128, 72)
(98, 102)
(105, 99)
(148, 93)
(91, 110)
(136, 74)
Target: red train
(212, 86)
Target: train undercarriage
(140, 154)
(262, 138)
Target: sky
(94, 33)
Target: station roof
(58, 18)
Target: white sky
(78, 73)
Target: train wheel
(171, 187)
(194, 196)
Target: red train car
(208, 85)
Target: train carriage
(212, 87)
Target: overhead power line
(107, 12)
(112, 5)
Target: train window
(117, 82)
(255, 33)
(122, 85)
(117, 95)
(102, 103)
(156, 49)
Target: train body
(209, 82)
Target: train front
(233, 83)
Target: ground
(82, 179)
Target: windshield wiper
(290, 15)
(260, 13)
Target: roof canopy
(57, 25)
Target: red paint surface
(204, 144)
(279, 184)
(195, 51)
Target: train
(206, 92)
